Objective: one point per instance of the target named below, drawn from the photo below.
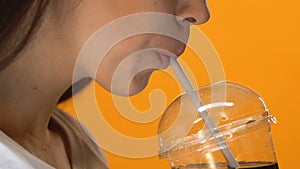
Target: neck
(28, 95)
(31, 85)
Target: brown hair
(19, 20)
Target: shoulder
(10, 158)
(14, 156)
(76, 130)
(71, 125)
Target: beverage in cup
(241, 137)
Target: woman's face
(127, 66)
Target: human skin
(31, 86)
(183, 9)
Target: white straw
(211, 126)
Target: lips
(166, 54)
(165, 60)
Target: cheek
(125, 53)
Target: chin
(126, 86)
(139, 82)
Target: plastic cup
(243, 122)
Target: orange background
(258, 44)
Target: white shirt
(84, 153)
(13, 156)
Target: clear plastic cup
(243, 122)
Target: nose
(194, 11)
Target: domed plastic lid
(228, 104)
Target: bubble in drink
(243, 122)
(243, 165)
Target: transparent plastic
(243, 122)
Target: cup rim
(224, 130)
